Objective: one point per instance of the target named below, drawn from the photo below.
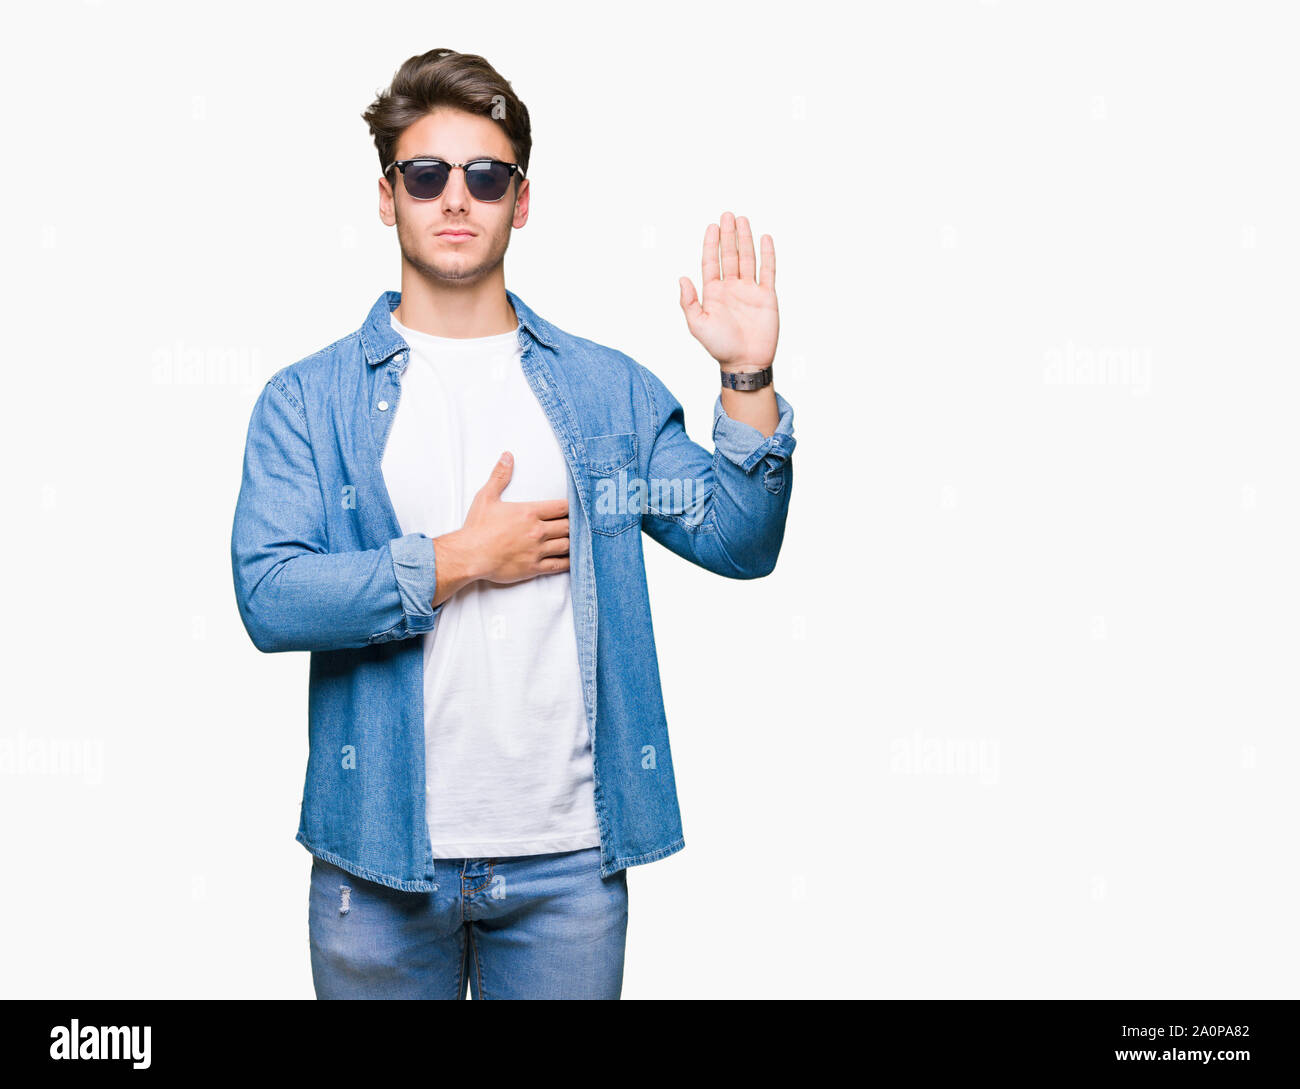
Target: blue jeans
(530, 926)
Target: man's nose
(455, 194)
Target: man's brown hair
(443, 77)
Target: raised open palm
(737, 319)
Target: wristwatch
(748, 380)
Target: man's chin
(450, 272)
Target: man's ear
(387, 204)
(521, 205)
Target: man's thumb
(500, 475)
(689, 303)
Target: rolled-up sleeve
(417, 580)
(745, 446)
(292, 592)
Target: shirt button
(383, 406)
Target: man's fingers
(556, 546)
(730, 254)
(709, 261)
(767, 273)
(549, 508)
(555, 527)
(746, 246)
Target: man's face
(457, 137)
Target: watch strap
(748, 380)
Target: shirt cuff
(746, 445)
(417, 580)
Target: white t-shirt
(508, 758)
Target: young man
(443, 508)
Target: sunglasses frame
(402, 164)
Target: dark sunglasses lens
(487, 181)
(424, 181)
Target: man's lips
(455, 234)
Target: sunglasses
(425, 179)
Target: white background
(1016, 713)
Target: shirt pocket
(610, 462)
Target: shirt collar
(380, 341)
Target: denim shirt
(321, 564)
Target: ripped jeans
(530, 926)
